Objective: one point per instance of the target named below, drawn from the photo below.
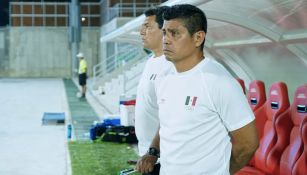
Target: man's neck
(157, 52)
(188, 63)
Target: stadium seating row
(282, 130)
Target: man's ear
(199, 37)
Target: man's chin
(168, 58)
(145, 45)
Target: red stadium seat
(277, 103)
(256, 98)
(300, 167)
(256, 94)
(283, 126)
(241, 82)
(298, 115)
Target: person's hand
(146, 163)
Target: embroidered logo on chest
(153, 77)
(190, 102)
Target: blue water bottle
(69, 131)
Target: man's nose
(166, 39)
(142, 31)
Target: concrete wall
(3, 50)
(39, 52)
(45, 51)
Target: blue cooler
(112, 122)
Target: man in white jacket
(146, 110)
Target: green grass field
(99, 158)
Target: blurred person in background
(82, 73)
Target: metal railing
(116, 63)
(131, 82)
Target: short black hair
(193, 18)
(158, 12)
